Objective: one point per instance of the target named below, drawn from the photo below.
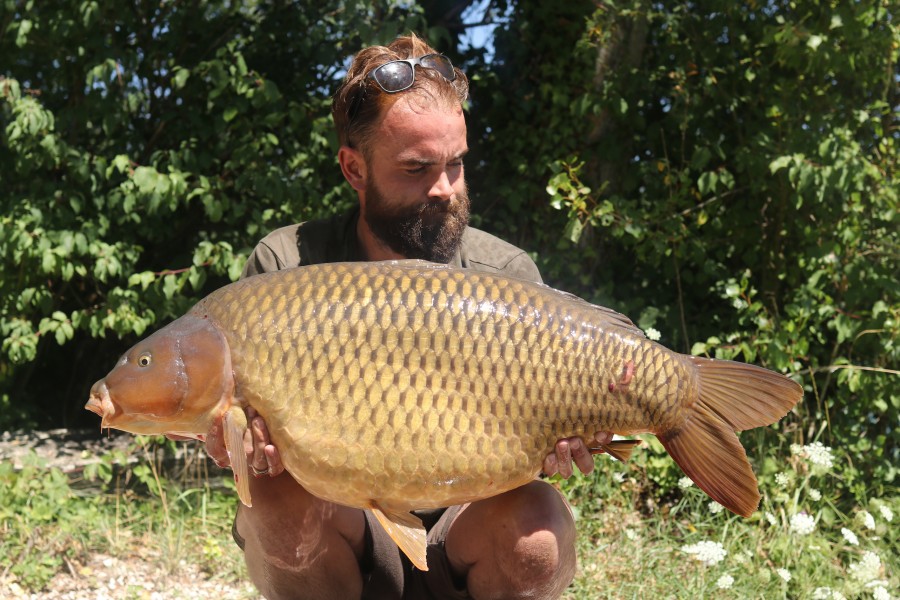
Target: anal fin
(618, 449)
(407, 532)
(234, 424)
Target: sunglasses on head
(399, 75)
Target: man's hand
(569, 450)
(262, 456)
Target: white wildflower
(815, 495)
(725, 582)
(819, 455)
(653, 334)
(867, 569)
(825, 593)
(784, 574)
(866, 518)
(631, 534)
(879, 593)
(886, 513)
(715, 508)
(782, 479)
(618, 477)
(803, 524)
(798, 449)
(743, 557)
(685, 482)
(772, 519)
(850, 536)
(709, 553)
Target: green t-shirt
(334, 239)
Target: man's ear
(353, 166)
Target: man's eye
(416, 171)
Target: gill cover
(173, 381)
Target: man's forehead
(413, 131)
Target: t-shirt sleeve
(278, 250)
(485, 252)
(523, 267)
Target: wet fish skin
(404, 385)
(414, 388)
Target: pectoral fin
(234, 423)
(407, 532)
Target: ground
(132, 577)
(139, 573)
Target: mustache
(439, 207)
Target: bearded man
(402, 131)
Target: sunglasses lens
(439, 63)
(394, 76)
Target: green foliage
(141, 167)
(631, 545)
(51, 521)
(35, 506)
(724, 173)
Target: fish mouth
(100, 403)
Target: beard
(429, 230)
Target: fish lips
(100, 403)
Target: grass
(643, 531)
(51, 523)
(633, 544)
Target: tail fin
(732, 397)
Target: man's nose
(442, 188)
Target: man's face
(415, 198)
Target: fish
(404, 385)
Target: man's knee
(541, 537)
(518, 544)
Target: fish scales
(462, 325)
(405, 385)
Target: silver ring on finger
(259, 472)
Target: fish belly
(422, 386)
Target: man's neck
(372, 247)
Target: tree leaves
(140, 169)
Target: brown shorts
(389, 575)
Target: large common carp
(406, 385)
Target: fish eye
(144, 360)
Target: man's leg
(298, 546)
(520, 544)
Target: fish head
(174, 381)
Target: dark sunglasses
(399, 75)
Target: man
(403, 138)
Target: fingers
(569, 451)
(262, 456)
(551, 465)
(603, 437)
(581, 455)
(276, 467)
(259, 435)
(564, 457)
